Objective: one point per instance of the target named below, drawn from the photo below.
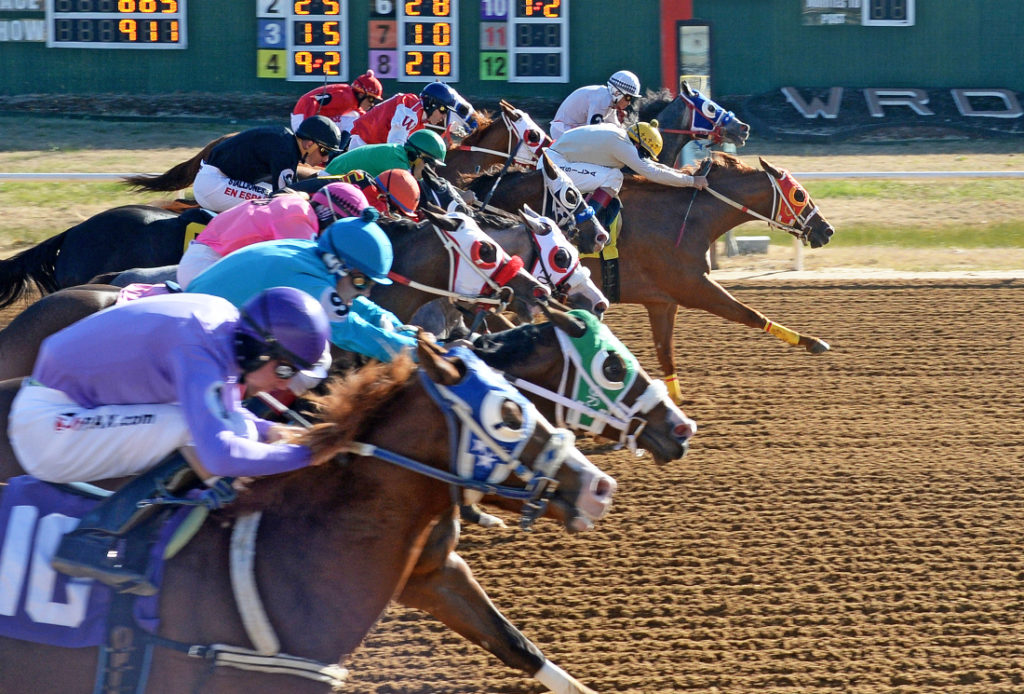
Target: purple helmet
(282, 323)
(336, 201)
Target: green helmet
(427, 144)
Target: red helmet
(402, 189)
(369, 85)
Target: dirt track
(850, 522)
(844, 523)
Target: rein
(778, 200)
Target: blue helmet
(282, 323)
(438, 95)
(357, 243)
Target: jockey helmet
(402, 189)
(337, 200)
(368, 85)
(282, 323)
(624, 83)
(322, 131)
(646, 137)
(357, 243)
(438, 95)
(428, 145)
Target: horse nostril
(600, 308)
(683, 431)
(604, 488)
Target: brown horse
(512, 138)
(338, 541)
(666, 236)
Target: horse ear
(770, 169)
(686, 88)
(432, 360)
(533, 221)
(440, 219)
(549, 167)
(509, 110)
(569, 324)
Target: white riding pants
(197, 257)
(588, 177)
(57, 440)
(216, 192)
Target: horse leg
(442, 585)
(663, 320)
(709, 295)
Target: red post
(671, 12)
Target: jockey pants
(588, 177)
(198, 257)
(57, 440)
(216, 192)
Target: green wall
(761, 45)
(604, 35)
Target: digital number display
(538, 33)
(316, 40)
(116, 24)
(551, 9)
(428, 40)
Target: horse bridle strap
(777, 196)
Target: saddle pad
(39, 604)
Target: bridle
(532, 139)
(598, 405)
(716, 122)
(792, 207)
(476, 453)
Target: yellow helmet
(647, 136)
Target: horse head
(481, 268)
(795, 210)
(581, 376)
(558, 265)
(565, 203)
(708, 120)
(512, 138)
(461, 423)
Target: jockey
(338, 270)
(593, 156)
(394, 193)
(423, 147)
(437, 105)
(342, 103)
(117, 392)
(282, 216)
(251, 164)
(599, 103)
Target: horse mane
(652, 103)
(483, 180)
(505, 349)
(177, 177)
(484, 120)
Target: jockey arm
(374, 331)
(405, 120)
(626, 153)
(214, 413)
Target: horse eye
(799, 195)
(502, 417)
(487, 253)
(609, 370)
(571, 197)
(511, 415)
(709, 109)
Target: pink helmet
(337, 200)
(369, 85)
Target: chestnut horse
(512, 138)
(666, 236)
(338, 541)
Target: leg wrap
(782, 332)
(673, 388)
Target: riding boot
(606, 210)
(94, 550)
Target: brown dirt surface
(844, 522)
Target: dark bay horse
(690, 115)
(664, 245)
(512, 139)
(338, 541)
(113, 240)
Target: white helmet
(624, 83)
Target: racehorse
(690, 116)
(116, 239)
(664, 245)
(338, 541)
(511, 139)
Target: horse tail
(36, 265)
(179, 176)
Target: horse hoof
(486, 520)
(818, 346)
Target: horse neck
(676, 116)
(513, 192)
(747, 187)
(459, 161)
(516, 240)
(531, 353)
(420, 256)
